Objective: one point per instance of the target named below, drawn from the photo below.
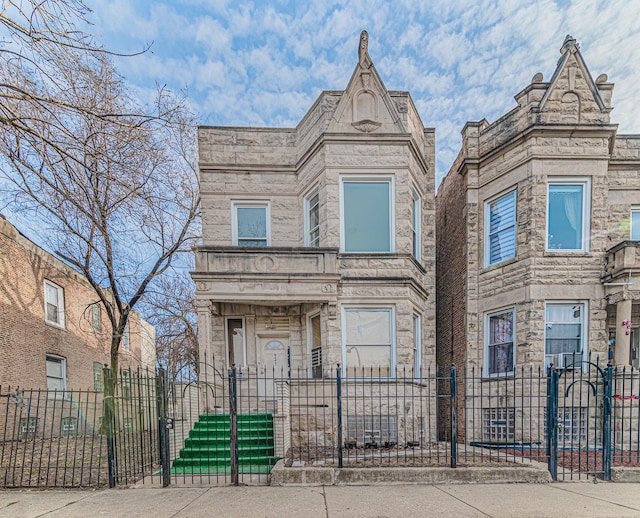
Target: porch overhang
(267, 275)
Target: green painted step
(207, 449)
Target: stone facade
(559, 139)
(264, 293)
(78, 341)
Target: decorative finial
(363, 50)
(569, 43)
(537, 78)
(601, 79)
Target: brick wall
(25, 337)
(451, 274)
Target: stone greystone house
(538, 222)
(318, 241)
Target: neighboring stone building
(53, 332)
(537, 228)
(318, 241)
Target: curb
(314, 476)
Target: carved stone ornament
(363, 50)
(366, 126)
(264, 263)
(202, 286)
(366, 77)
(402, 105)
(333, 311)
(328, 288)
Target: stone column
(203, 310)
(623, 340)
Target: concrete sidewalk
(518, 500)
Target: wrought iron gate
(578, 421)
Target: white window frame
(244, 341)
(378, 178)
(487, 226)
(310, 317)
(126, 338)
(417, 345)
(63, 367)
(253, 204)
(487, 338)
(392, 333)
(307, 217)
(586, 212)
(59, 308)
(635, 209)
(584, 313)
(416, 224)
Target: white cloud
(263, 63)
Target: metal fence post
(454, 419)
(606, 422)
(339, 397)
(233, 424)
(552, 421)
(163, 434)
(108, 422)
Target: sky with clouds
(263, 63)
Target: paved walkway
(558, 499)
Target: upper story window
(312, 218)
(96, 317)
(53, 304)
(565, 335)
(499, 343)
(367, 210)
(500, 229)
(635, 222)
(568, 211)
(250, 224)
(416, 205)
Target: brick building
(537, 228)
(53, 332)
(318, 240)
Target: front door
(273, 363)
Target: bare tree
(116, 182)
(171, 309)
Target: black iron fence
(232, 427)
(79, 438)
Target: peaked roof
(366, 106)
(572, 83)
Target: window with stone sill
(312, 218)
(500, 229)
(499, 329)
(568, 209)
(416, 206)
(250, 223)
(565, 330)
(366, 214)
(368, 341)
